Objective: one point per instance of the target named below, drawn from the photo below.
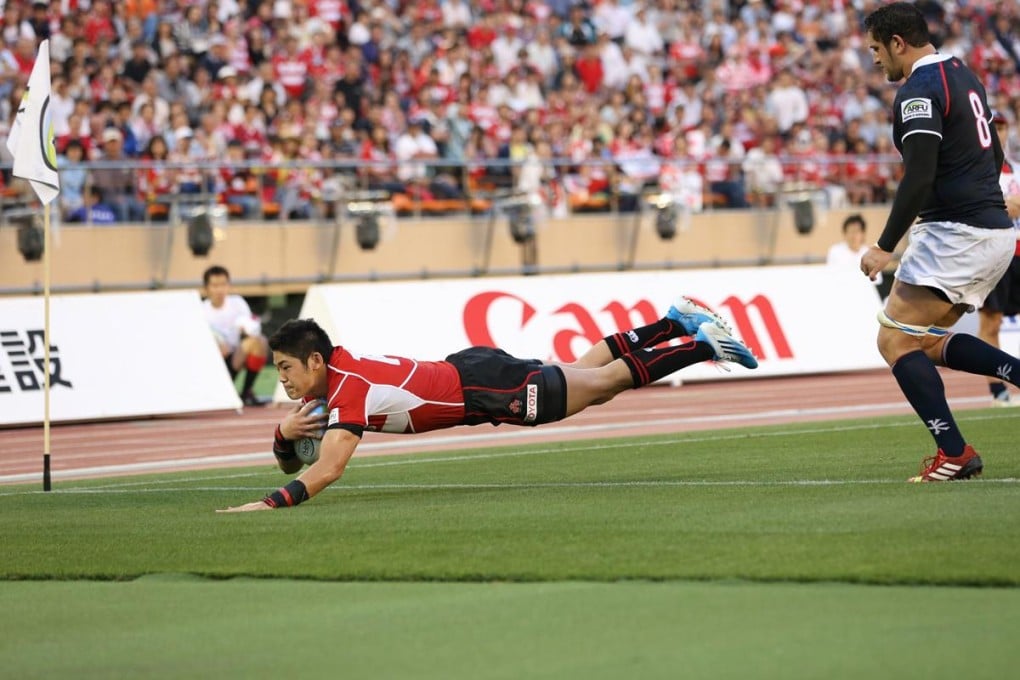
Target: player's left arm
(337, 447)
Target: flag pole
(46, 347)
(30, 142)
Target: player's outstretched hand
(300, 422)
(247, 507)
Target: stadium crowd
(581, 104)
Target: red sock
(254, 363)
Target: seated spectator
(413, 148)
(240, 186)
(681, 180)
(763, 172)
(118, 183)
(93, 210)
(156, 182)
(72, 177)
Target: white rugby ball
(307, 448)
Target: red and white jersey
(393, 394)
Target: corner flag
(31, 137)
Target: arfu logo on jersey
(915, 108)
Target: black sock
(922, 386)
(648, 365)
(249, 381)
(230, 368)
(640, 338)
(967, 353)
(997, 388)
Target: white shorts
(962, 261)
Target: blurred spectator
(240, 184)
(787, 102)
(156, 182)
(93, 210)
(117, 183)
(72, 177)
(578, 30)
(763, 172)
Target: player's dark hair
(898, 18)
(300, 338)
(215, 270)
(855, 218)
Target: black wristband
(283, 448)
(293, 493)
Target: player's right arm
(920, 161)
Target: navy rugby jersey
(942, 97)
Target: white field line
(663, 483)
(357, 463)
(505, 437)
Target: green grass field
(793, 551)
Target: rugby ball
(307, 448)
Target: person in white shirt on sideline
(848, 252)
(238, 332)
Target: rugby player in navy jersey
(962, 242)
(471, 387)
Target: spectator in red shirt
(291, 68)
(99, 24)
(589, 69)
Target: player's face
(217, 289)
(298, 379)
(883, 56)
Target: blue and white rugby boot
(720, 338)
(689, 315)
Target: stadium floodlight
(30, 236)
(803, 215)
(666, 215)
(367, 212)
(520, 214)
(200, 233)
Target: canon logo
(753, 320)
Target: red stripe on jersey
(945, 86)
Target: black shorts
(499, 388)
(1005, 297)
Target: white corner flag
(31, 137)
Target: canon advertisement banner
(111, 356)
(804, 319)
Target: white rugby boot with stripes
(943, 468)
(689, 315)
(726, 347)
